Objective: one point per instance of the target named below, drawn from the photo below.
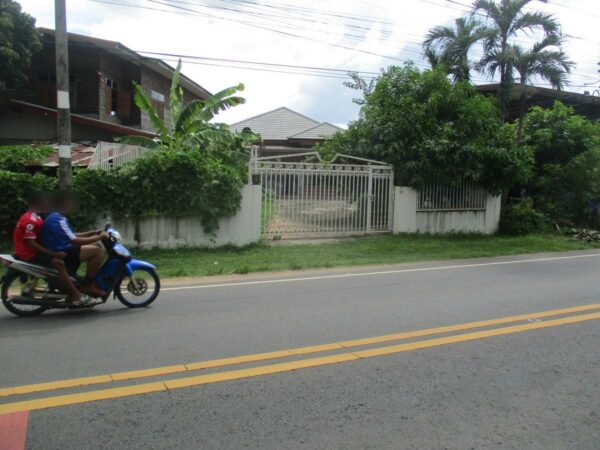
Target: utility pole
(63, 106)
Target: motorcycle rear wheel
(139, 290)
(13, 286)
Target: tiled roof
(323, 130)
(277, 125)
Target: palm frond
(529, 21)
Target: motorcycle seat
(10, 260)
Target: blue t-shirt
(57, 233)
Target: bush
(175, 184)
(521, 218)
(566, 184)
(434, 131)
(15, 188)
(19, 158)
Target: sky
(358, 35)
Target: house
(587, 105)
(101, 77)
(284, 131)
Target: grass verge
(351, 252)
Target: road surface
(486, 353)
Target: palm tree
(507, 19)
(449, 46)
(545, 60)
(191, 125)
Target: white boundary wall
(408, 220)
(163, 232)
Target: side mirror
(107, 225)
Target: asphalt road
(527, 381)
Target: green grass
(371, 250)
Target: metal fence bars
(319, 199)
(109, 155)
(467, 197)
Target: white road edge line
(383, 272)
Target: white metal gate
(306, 197)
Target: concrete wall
(241, 229)
(408, 220)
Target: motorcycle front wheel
(138, 290)
(16, 285)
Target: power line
(176, 9)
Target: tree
(450, 46)
(544, 60)
(506, 20)
(567, 162)
(191, 126)
(19, 41)
(435, 131)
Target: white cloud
(406, 22)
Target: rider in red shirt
(28, 248)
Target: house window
(112, 102)
(158, 101)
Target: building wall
(124, 74)
(26, 126)
(83, 69)
(152, 81)
(408, 220)
(163, 232)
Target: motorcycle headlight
(116, 236)
(121, 251)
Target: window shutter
(124, 104)
(107, 99)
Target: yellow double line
(111, 393)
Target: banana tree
(190, 125)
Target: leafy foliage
(15, 187)
(449, 46)
(19, 40)
(169, 183)
(521, 218)
(190, 125)
(506, 21)
(433, 130)
(567, 163)
(17, 158)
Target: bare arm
(86, 240)
(88, 234)
(33, 244)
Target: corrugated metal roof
(81, 155)
(321, 131)
(277, 125)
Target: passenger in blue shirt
(58, 236)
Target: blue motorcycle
(29, 289)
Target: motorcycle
(30, 289)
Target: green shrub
(19, 158)
(15, 188)
(174, 184)
(521, 218)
